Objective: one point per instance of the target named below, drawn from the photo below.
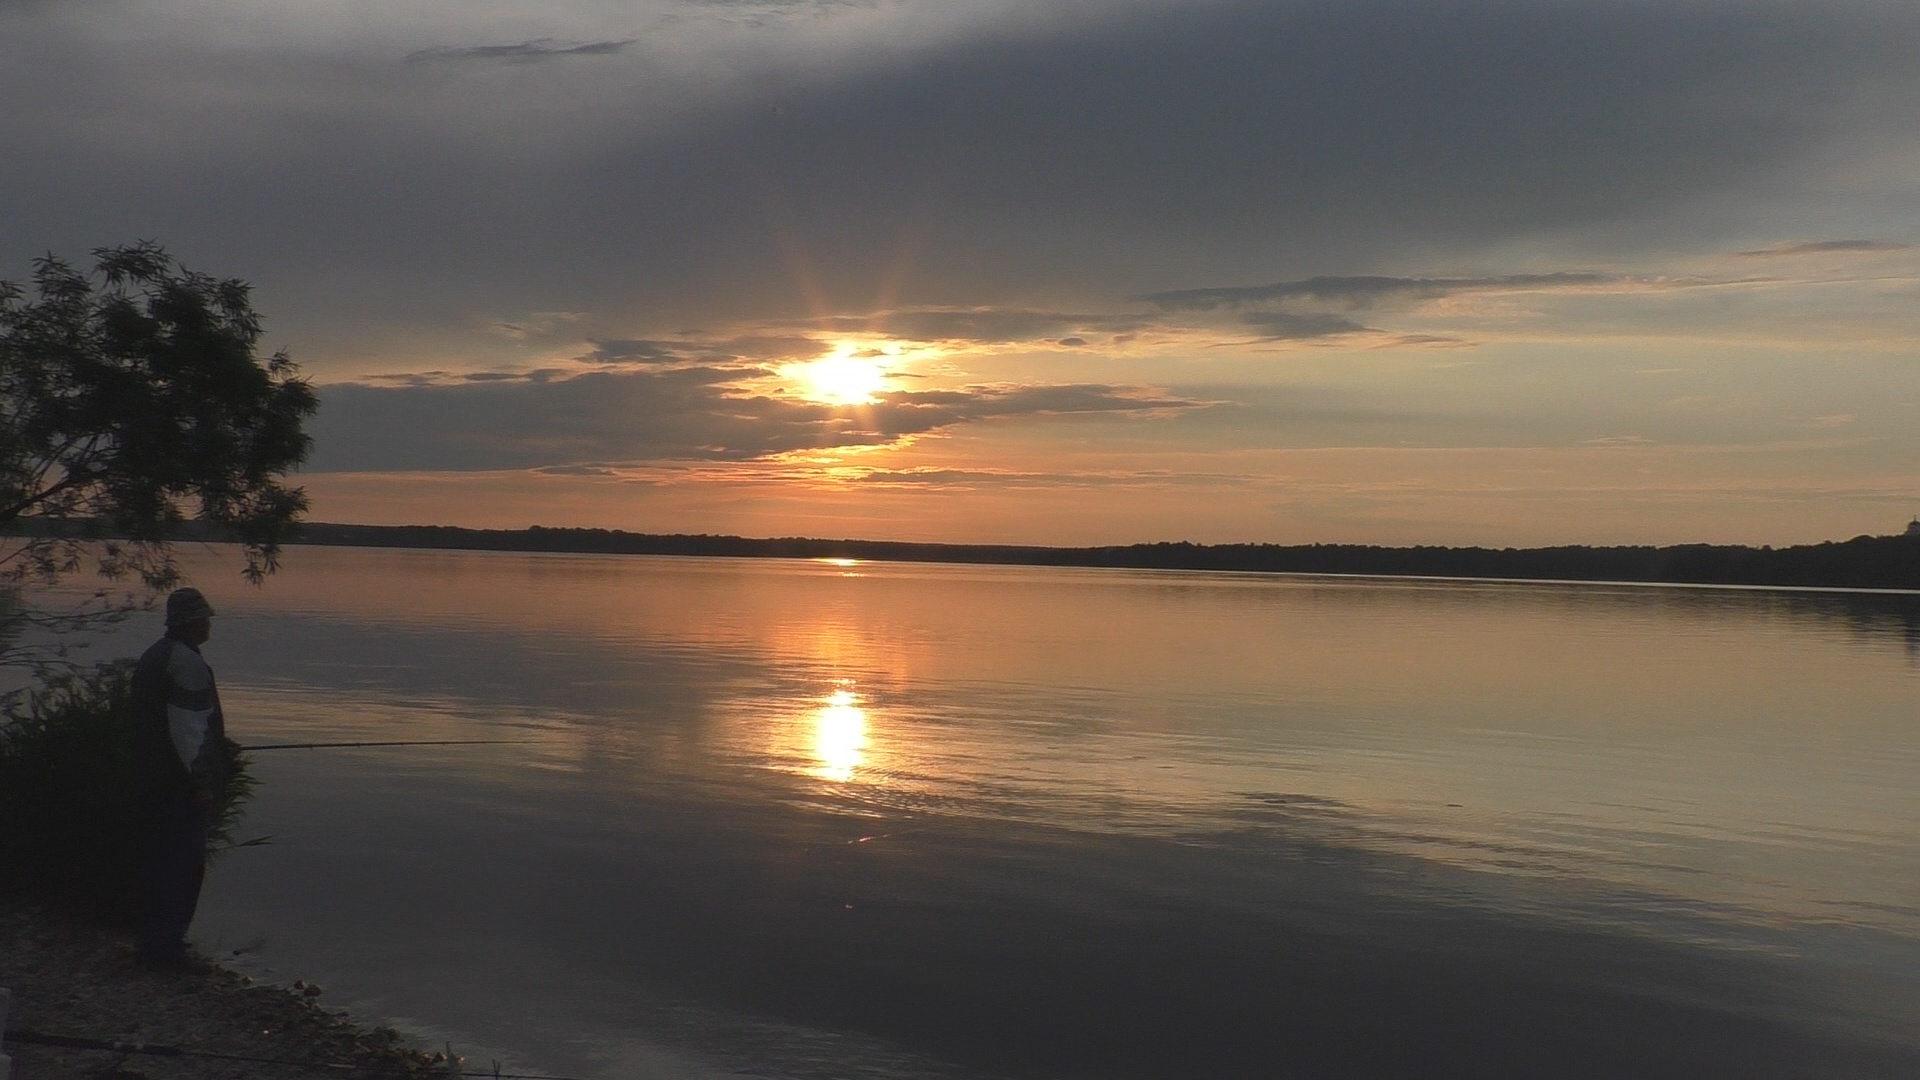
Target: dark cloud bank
(1236, 138)
(1142, 151)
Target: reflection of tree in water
(1872, 618)
(1878, 617)
(1903, 621)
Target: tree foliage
(131, 401)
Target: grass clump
(75, 795)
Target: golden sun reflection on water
(839, 736)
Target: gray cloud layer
(690, 413)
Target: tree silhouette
(132, 401)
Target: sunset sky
(1378, 271)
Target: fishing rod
(407, 742)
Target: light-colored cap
(186, 606)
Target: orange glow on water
(839, 736)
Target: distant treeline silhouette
(1864, 562)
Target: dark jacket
(181, 733)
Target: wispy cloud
(984, 325)
(1296, 326)
(522, 52)
(1364, 291)
(950, 478)
(636, 351)
(691, 349)
(1824, 247)
(538, 324)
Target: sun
(843, 377)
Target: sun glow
(850, 375)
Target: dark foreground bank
(77, 984)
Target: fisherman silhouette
(186, 758)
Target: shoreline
(1888, 564)
(1871, 563)
(75, 980)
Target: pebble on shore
(73, 979)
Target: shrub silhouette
(74, 794)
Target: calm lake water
(803, 819)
